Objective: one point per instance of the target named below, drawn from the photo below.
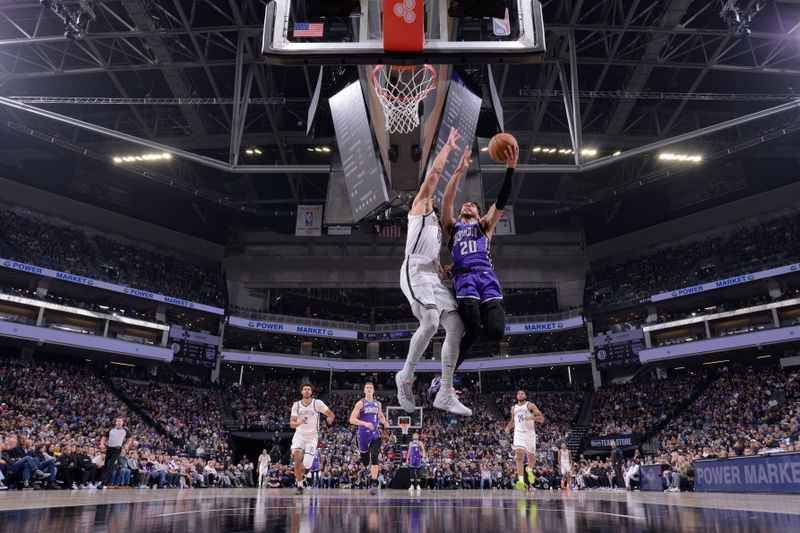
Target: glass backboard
(294, 36)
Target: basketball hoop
(404, 422)
(400, 89)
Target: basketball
(499, 144)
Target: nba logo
(502, 27)
(309, 221)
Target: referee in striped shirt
(114, 445)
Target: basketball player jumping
(480, 298)
(305, 422)
(416, 453)
(366, 415)
(524, 416)
(431, 302)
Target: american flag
(391, 232)
(308, 29)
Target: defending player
(366, 415)
(480, 298)
(305, 422)
(416, 453)
(431, 302)
(524, 416)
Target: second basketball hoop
(400, 89)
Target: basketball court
(347, 510)
(397, 76)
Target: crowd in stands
(635, 408)
(743, 412)
(57, 414)
(190, 415)
(768, 244)
(263, 405)
(54, 408)
(30, 238)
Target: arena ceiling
(647, 70)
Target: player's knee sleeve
(308, 460)
(470, 312)
(494, 320)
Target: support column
(648, 341)
(40, 317)
(708, 329)
(597, 379)
(775, 317)
(105, 328)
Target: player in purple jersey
(367, 415)
(480, 298)
(416, 452)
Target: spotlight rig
(76, 19)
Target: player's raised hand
(512, 156)
(453, 138)
(465, 162)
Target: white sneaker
(411, 488)
(405, 392)
(419, 488)
(447, 401)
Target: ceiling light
(318, 149)
(615, 154)
(257, 151)
(485, 149)
(535, 148)
(141, 157)
(589, 152)
(685, 158)
(310, 149)
(326, 149)
(248, 152)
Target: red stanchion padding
(403, 25)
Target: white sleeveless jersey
(424, 238)
(523, 420)
(311, 413)
(566, 460)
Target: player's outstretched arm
(329, 416)
(495, 213)
(422, 203)
(538, 417)
(448, 201)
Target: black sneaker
(52, 486)
(26, 485)
(299, 489)
(41, 475)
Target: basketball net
(404, 427)
(400, 90)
